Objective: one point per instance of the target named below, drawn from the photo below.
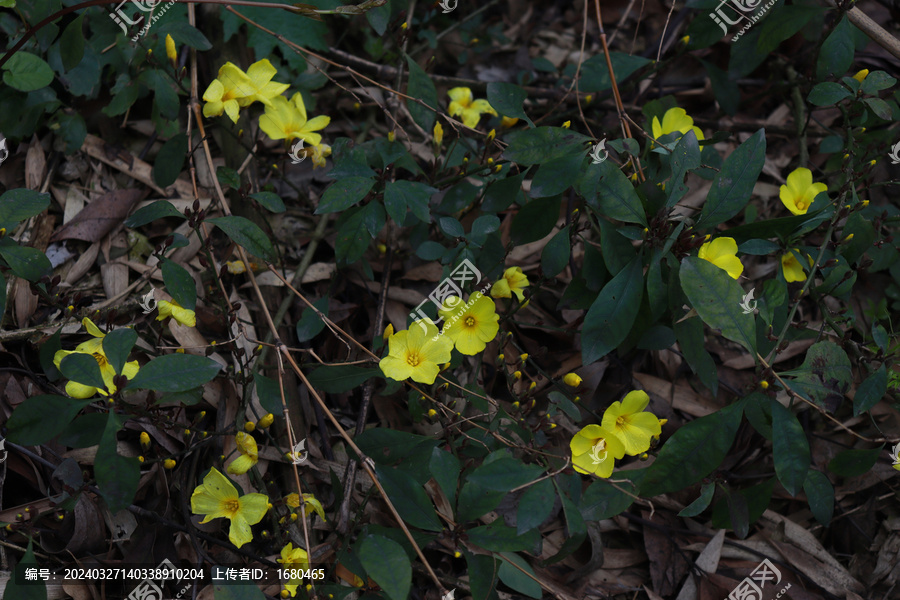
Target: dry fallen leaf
(100, 216)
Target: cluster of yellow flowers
(417, 352)
(625, 429)
(284, 119)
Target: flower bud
(145, 441)
(572, 380)
(169, 463)
(249, 426)
(266, 421)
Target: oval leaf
(246, 233)
(179, 284)
(82, 368)
(610, 318)
(117, 345)
(41, 418)
(790, 447)
(387, 563)
(175, 373)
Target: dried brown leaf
(100, 216)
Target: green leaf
(270, 201)
(610, 318)
(341, 378)
(269, 394)
(18, 587)
(248, 234)
(409, 498)
(852, 463)
(878, 106)
(422, 88)
(733, 184)
(344, 193)
(497, 537)
(836, 53)
(391, 446)
(828, 93)
(507, 99)
(39, 419)
(877, 81)
(482, 572)
(85, 431)
(175, 373)
(164, 93)
(602, 501)
(535, 220)
(387, 564)
(179, 284)
(693, 452)
(117, 345)
(20, 204)
(352, 239)
(429, 250)
(82, 368)
(534, 146)
(500, 194)
(717, 298)
(310, 323)
(595, 72)
(870, 391)
(183, 33)
(534, 506)
(401, 196)
(555, 255)
(451, 227)
(228, 178)
(504, 474)
(790, 448)
(26, 262)
(685, 157)
(170, 160)
(152, 212)
(48, 348)
(71, 43)
(610, 193)
(476, 501)
(690, 338)
(482, 227)
(820, 495)
(699, 505)
(516, 579)
(27, 72)
(445, 468)
(825, 375)
(117, 476)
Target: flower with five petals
(675, 119)
(594, 450)
(514, 281)
(216, 497)
(225, 91)
(722, 252)
(416, 353)
(463, 103)
(295, 560)
(185, 316)
(94, 348)
(472, 325)
(630, 424)
(286, 120)
(793, 270)
(800, 191)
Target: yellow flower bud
(169, 463)
(686, 40)
(391, 136)
(865, 203)
(848, 238)
(388, 332)
(145, 441)
(507, 122)
(438, 134)
(523, 357)
(764, 384)
(179, 351)
(588, 99)
(572, 380)
(498, 168)
(404, 26)
(285, 594)
(576, 399)
(266, 421)
(474, 41)
(645, 456)
(490, 161)
(531, 386)
(517, 375)
(432, 413)
(457, 554)
(170, 49)
(356, 106)
(515, 405)
(501, 356)
(491, 135)
(187, 432)
(140, 459)
(861, 75)
(552, 425)
(249, 426)
(567, 124)
(872, 162)
(382, 249)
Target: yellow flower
(287, 120)
(236, 268)
(262, 88)
(172, 309)
(462, 103)
(507, 122)
(793, 270)
(567, 124)
(216, 497)
(722, 252)
(169, 463)
(633, 427)
(861, 75)
(514, 281)
(800, 191)
(171, 52)
(471, 326)
(438, 134)
(294, 560)
(492, 134)
(225, 91)
(594, 450)
(416, 352)
(266, 421)
(249, 454)
(293, 500)
(572, 380)
(675, 119)
(319, 153)
(94, 347)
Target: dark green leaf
(422, 88)
(699, 505)
(179, 284)
(609, 192)
(117, 476)
(516, 579)
(160, 83)
(482, 227)
(183, 33)
(445, 468)
(352, 239)
(18, 587)
(870, 391)
(836, 53)
(685, 157)
(610, 318)
(476, 501)
(820, 495)
(504, 474)
(451, 227)
(71, 43)
(533, 146)
(828, 93)
(270, 201)
(877, 81)
(387, 564)
(310, 323)
(602, 501)
(117, 345)
(341, 378)
(852, 463)
(534, 505)
(690, 338)
(400, 196)
(246, 233)
(482, 570)
(738, 512)
(555, 256)
(269, 394)
(48, 348)
(20, 204)
(409, 498)
(429, 250)
(228, 177)
(717, 298)
(790, 448)
(825, 375)
(26, 262)
(693, 452)
(500, 194)
(152, 212)
(82, 368)
(39, 419)
(497, 537)
(175, 373)
(344, 193)
(170, 160)
(507, 99)
(85, 431)
(27, 72)
(878, 106)
(595, 72)
(733, 184)
(535, 220)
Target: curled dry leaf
(99, 217)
